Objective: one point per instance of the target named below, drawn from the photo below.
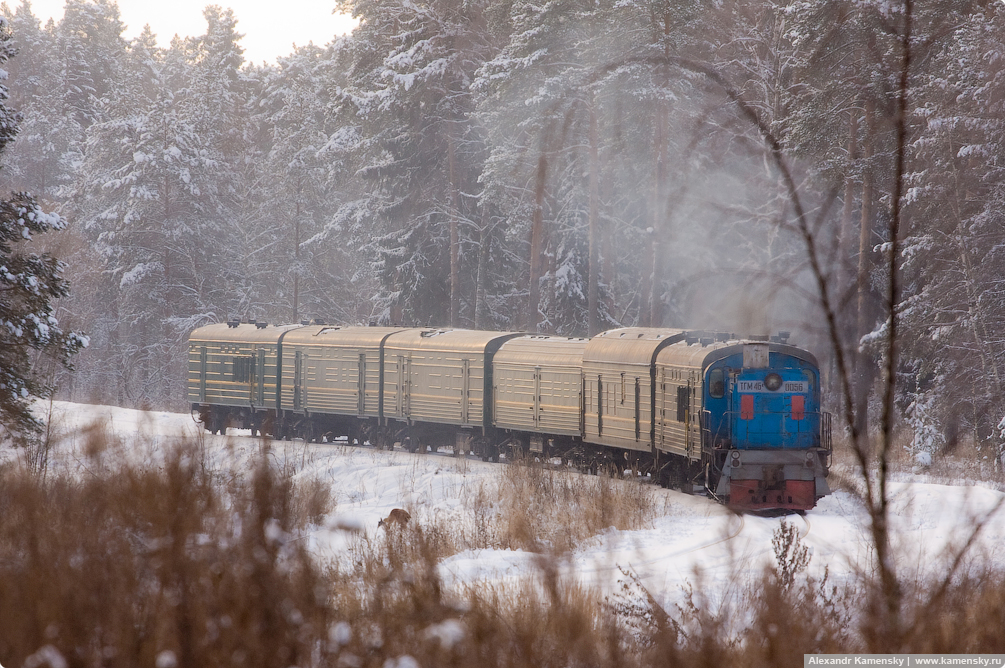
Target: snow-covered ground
(694, 534)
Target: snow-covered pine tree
(29, 284)
(148, 196)
(319, 276)
(954, 255)
(584, 155)
(405, 125)
(40, 161)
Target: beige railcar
(334, 370)
(619, 394)
(440, 376)
(679, 391)
(538, 385)
(234, 366)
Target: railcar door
(259, 375)
(399, 390)
(662, 409)
(537, 398)
(689, 418)
(361, 385)
(202, 374)
(298, 379)
(406, 387)
(465, 388)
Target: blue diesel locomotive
(765, 438)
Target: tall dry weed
(175, 565)
(141, 566)
(542, 509)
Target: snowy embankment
(694, 539)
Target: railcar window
(683, 400)
(716, 383)
(244, 369)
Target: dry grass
(144, 566)
(169, 565)
(965, 463)
(547, 510)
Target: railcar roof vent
(252, 321)
(707, 341)
(261, 325)
(690, 337)
(372, 323)
(305, 322)
(233, 323)
(722, 337)
(318, 321)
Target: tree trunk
(655, 300)
(296, 265)
(536, 241)
(455, 276)
(865, 373)
(593, 288)
(481, 308)
(845, 240)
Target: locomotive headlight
(773, 382)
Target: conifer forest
(827, 167)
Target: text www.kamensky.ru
(904, 660)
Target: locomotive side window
(717, 383)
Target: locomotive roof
(343, 336)
(703, 356)
(448, 340)
(630, 345)
(689, 355)
(542, 350)
(243, 333)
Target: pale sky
(270, 28)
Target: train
(740, 418)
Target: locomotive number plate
(793, 386)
